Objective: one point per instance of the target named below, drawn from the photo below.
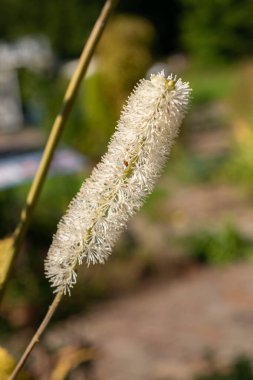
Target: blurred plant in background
(241, 369)
(124, 55)
(216, 31)
(239, 166)
(220, 245)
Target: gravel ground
(168, 330)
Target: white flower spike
(118, 186)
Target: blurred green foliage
(217, 30)
(218, 246)
(41, 96)
(124, 55)
(238, 168)
(211, 83)
(241, 369)
(189, 168)
(55, 197)
(208, 30)
(67, 23)
(97, 118)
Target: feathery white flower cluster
(117, 187)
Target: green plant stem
(56, 132)
(35, 339)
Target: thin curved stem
(35, 339)
(56, 132)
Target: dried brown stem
(35, 339)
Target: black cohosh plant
(117, 187)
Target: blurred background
(175, 300)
